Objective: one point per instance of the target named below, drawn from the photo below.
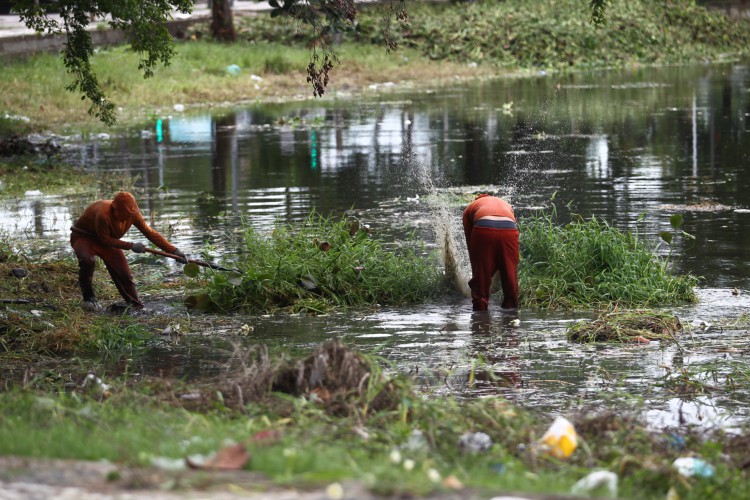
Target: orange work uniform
(100, 228)
(492, 239)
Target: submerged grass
(589, 264)
(626, 326)
(52, 175)
(326, 263)
(298, 435)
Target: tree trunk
(222, 24)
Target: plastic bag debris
(693, 467)
(596, 481)
(699, 323)
(416, 442)
(233, 70)
(170, 464)
(561, 439)
(475, 442)
(96, 381)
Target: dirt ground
(54, 479)
(32, 479)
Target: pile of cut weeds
(626, 326)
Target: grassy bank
(51, 175)
(198, 77)
(336, 430)
(495, 38)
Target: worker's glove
(138, 247)
(182, 257)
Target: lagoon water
(632, 146)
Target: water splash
(446, 224)
(449, 230)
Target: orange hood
(124, 206)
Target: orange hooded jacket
(109, 220)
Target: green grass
(51, 175)
(501, 37)
(133, 422)
(553, 34)
(590, 264)
(197, 76)
(327, 263)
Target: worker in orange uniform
(97, 233)
(492, 239)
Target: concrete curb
(16, 40)
(25, 44)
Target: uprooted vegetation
(626, 326)
(325, 264)
(40, 311)
(343, 380)
(589, 264)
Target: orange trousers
(493, 250)
(86, 250)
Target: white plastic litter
(475, 442)
(692, 466)
(597, 480)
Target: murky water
(632, 146)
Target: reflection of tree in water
(223, 160)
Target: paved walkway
(16, 38)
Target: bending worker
(492, 240)
(97, 233)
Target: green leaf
(676, 221)
(666, 236)
(191, 270)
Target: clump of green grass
(626, 326)
(11, 125)
(325, 264)
(589, 263)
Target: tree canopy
(145, 24)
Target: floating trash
(561, 439)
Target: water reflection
(618, 144)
